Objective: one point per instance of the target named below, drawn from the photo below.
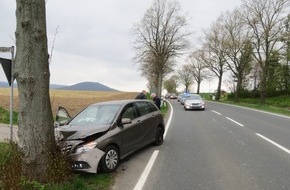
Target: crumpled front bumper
(86, 161)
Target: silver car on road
(104, 133)
(195, 101)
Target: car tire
(110, 160)
(159, 136)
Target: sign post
(10, 49)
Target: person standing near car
(142, 95)
(156, 99)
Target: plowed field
(73, 101)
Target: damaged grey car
(104, 133)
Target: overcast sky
(93, 40)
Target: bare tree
(36, 131)
(215, 46)
(238, 48)
(286, 41)
(264, 17)
(185, 76)
(160, 38)
(198, 67)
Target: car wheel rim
(160, 135)
(111, 159)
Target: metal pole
(11, 95)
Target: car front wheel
(110, 160)
(159, 136)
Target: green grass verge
(267, 107)
(84, 181)
(5, 116)
(278, 105)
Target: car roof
(194, 95)
(120, 102)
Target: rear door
(148, 121)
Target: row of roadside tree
(250, 45)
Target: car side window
(144, 108)
(152, 107)
(130, 112)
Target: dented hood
(80, 132)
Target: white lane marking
(274, 143)
(216, 112)
(151, 161)
(143, 178)
(169, 120)
(235, 122)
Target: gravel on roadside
(5, 132)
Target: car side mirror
(125, 121)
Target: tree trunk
(238, 89)
(198, 87)
(36, 131)
(218, 95)
(159, 87)
(263, 88)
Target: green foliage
(171, 84)
(278, 104)
(164, 108)
(5, 116)
(59, 176)
(84, 182)
(25, 184)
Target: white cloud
(93, 40)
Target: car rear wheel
(110, 160)
(159, 136)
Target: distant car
(194, 102)
(104, 133)
(179, 97)
(173, 96)
(167, 95)
(184, 97)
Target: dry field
(73, 101)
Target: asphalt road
(221, 148)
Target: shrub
(10, 166)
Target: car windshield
(96, 115)
(194, 98)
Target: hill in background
(88, 86)
(83, 86)
(4, 84)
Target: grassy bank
(10, 165)
(5, 116)
(279, 104)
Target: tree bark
(36, 131)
